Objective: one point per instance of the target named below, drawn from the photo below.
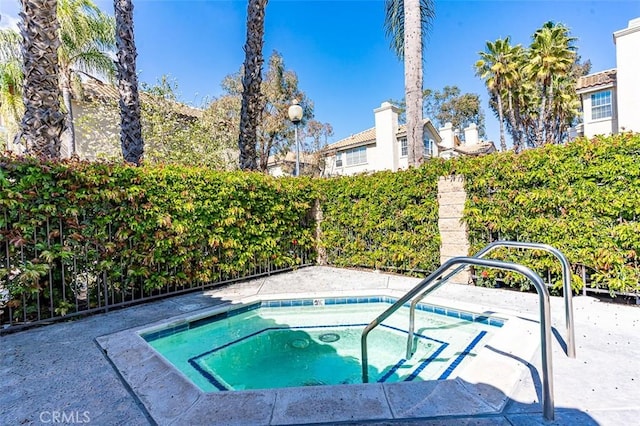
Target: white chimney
(471, 135)
(446, 133)
(385, 154)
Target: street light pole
(295, 115)
(297, 152)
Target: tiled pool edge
(170, 397)
(236, 309)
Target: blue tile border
(439, 311)
(155, 335)
(426, 362)
(462, 355)
(453, 313)
(467, 316)
(392, 370)
(496, 322)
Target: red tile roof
(603, 78)
(368, 137)
(478, 149)
(365, 137)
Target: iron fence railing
(53, 274)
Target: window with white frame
(404, 147)
(601, 105)
(356, 156)
(429, 147)
(339, 159)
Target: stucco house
(384, 147)
(611, 99)
(99, 136)
(285, 165)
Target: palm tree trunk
(549, 133)
(503, 141)
(43, 122)
(542, 116)
(251, 108)
(130, 124)
(517, 135)
(413, 80)
(521, 129)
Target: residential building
(96, 122)
(611, 99)
(384, 147)
(285, 165)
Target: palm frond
(10, 42)
(394, 23)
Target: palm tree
(496, 67)
(11, 78)
(515, 92)
(252, 101)
(407, 22)
(43, 122)
(551, 53)
(87, 35)
(130, 124)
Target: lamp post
(295, 115)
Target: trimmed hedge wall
(70, 228)
(384, 220)
(582, 198)
(135, 230)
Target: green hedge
(67, 225)
(582, 198)
(68, 228)
(384, 220)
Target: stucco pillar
(316, 213)
(453, 232)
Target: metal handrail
(566, 284)
(545, 318)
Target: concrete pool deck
(61, 370)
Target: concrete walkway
(59, 374)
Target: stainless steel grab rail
(545, 318)
(566, 285)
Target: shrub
(75, 233)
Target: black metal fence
(58, 273)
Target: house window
(404, 148)
(601, 105)
(339, 159)
(356, 156)
(429, 147)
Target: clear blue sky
(338, 48)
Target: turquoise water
(272, 347)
